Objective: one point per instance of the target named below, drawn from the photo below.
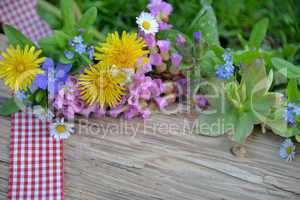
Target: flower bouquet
(78, 71)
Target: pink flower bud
(180, 40)
(155, 59)
(176, 59)
(164, 46)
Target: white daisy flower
(287, 150)
(42, 114)
(61, 129)
(147, 23)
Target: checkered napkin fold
(36, 160)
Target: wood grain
(146, 163)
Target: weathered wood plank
(156, 165)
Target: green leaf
(88, 18)
(15, 37)
(10, 106)
(208, 63)
(246, 57)
(286, 68)
(216, 124)
(206, 23)
(60, 39)
(255, 78)
(279, 126)
(67, 11)
(293, 91)
(258, 33)
(243, 127)
(261, 105)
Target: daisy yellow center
(101, 85)
(19, 67)
(289, 150)
(146, 25)
(122, 51)
(60, 128)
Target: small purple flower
(41, 80)
(80, 48)
(69, 54)
(180, 40)
(290, 113)
(91, 52)
(197, 36)
(201, 101)
(150, 40)
(161, 102)
(165, 26)
(164, 45)
(159, 7)
(176, 59)
(156, 59)
(131, 113)
(287, 150)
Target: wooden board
(146, 161)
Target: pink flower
(146, 113)
(155, 59)
(180, 40)
(77, 105)
(157, 87)
(176, 59)
(68, 112)
(100, 112)
(164, 101)
(87, 111)
(144, 69)
(115, 112)
(164, 26)
(201, 101)
(164, 46)
(150, 40)
(159, 7)
(131, 113)
(161, 102)
(71, 81)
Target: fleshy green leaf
(293, 91)
(243, 127)
(255, 78)
(286, 68)
(15, 37)
(206, 22)
(88, 18)
(258, 33)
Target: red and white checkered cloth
(36, 160)
(22, 15)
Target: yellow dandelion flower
(101, 84)
(19, 67)
(122, 51)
